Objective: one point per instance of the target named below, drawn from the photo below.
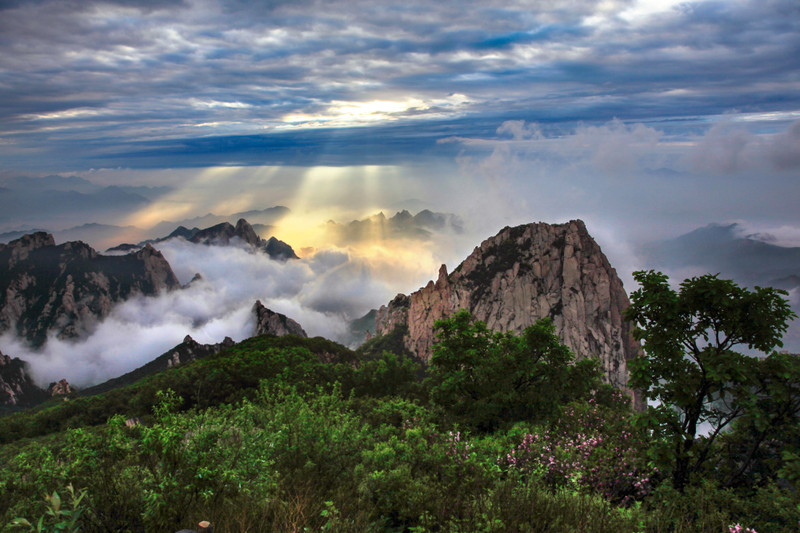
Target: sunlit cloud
(344, 114)
(198, 103)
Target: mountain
(518, 276)
(17, 388)
(727, 250)
(186, 351)
(66, 288)
(181, 232)
(222, 234)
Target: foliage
(391, 342)
(690, 367)
(765, 441)
(227, 377)
(483, 379)
(293, 435)
(57, 519)
(593, 449)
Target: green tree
(690, 370)
(483, 379)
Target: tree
(482, 378)
(689, 369)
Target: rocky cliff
(67, 288)
(518, 276)
(17, 388)
(269, 322)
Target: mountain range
(509, 281)
(222, 234)
(66, 289)
(401, 225)
(110, 235)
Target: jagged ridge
(66, 288)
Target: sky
(644, 118)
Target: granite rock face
(16, 385)
(67, 288)
(60, 388)
(271, 323)
(518, 276)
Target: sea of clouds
(322, 292)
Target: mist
(322, 291)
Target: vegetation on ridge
(503, 434)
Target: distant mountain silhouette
(222, 234)
(402, 225)
(725, 249)
(268, 216)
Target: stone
(17, 388)
(66, 289)
(271, 323)
(518, 276)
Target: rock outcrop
(61, 388)
(67, 288)
(518, 276)
(17, 388)
(271, 323)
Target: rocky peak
(246, 232)
(67, 288)
(156, 269)
(271, 323)
(191, 350)
(518, 276)
(185, 352)
(222, 234)
(279, 250)
(60, 388)
(20, 249)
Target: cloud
(729, 147)
(614, 148)
(784, 150)
(167, 84)
(322, 292)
